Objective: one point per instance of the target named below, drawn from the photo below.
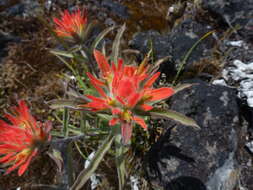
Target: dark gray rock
(176, 44)
(188, 159)
(116, 8)
(232, 13)
(143, 41)
(25, 8)
(185, 35)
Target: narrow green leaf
(67, 64)
(105, 117)
(116, 44)
(80, 151)
(100, 37)
(87, 31)
(73, 104)
(182, 87)
(84, 58)
(161, 113)
(62, 53)
(188, 54)
(151, 50)
(86, 173)
(75, 94)
(56, 156)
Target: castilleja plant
(71, 25)
(22, 139)
(75, 28)
(123, 95)
(124, 91)
(126, 94)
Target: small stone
(221, 82)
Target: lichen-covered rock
(232, 13)
(188, 159)
(176, 44)
(185, 35)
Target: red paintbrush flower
(71, 24)
(21, 140)
(124, 90)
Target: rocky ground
(220, 64)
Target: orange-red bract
(123, 90)
(71, 24)
(21, 140)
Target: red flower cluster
(71, 24)
(20, 141)
(124, 90)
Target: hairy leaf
(116, 44)
(73, 104)
(182, 87)
(55, 155)
(86, 173)
(100, 37)
(161, 113)
(62, 53)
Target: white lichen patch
(238, 43)
(171, 164)
(212, 149)
(208, 116)
(242, 74)
(224, 98)
(134, 181)
(221, 82)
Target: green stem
(120, 150)
(65, 122)
(82, 122)
(70, 164)
(80, 151)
